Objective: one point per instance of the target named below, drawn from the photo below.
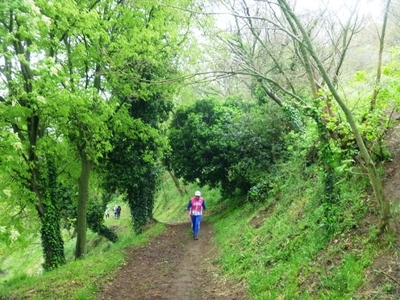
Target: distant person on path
(115, 211)
(118, 211)
(195, 207)
(107, 213)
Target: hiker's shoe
(195, 237)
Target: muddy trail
(173, 266)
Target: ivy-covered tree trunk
(141, 196)
(139, 211)
(81, 223)
(50, 231)
(49, 213)
(95, 219)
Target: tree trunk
(379, 68)
(176, 182)
(50, 231)
(81, 223)
(374, 178)
(304, 56)
(49, 213)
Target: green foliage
(52, 242)
(140, 197)
(226, 144)
(200, 149)
(131, 167)
(67, 207)
(79, 279)
(360, 76)
(293, 117)
(69, 68)
(16, 229)
(283, 247)
(261, 136)
(95, 220)
(259, 192)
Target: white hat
(197, 193)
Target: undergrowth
(293, 245)
(170, 204)
(78, 279)
(289, 245)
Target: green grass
(295, 252)
(170, 205)
(79, 279)
(291, 246)
(285, 256)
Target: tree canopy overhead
(85, 87)
(75, 73)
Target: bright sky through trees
(341, 8)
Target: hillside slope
(274, 250)
(382, 277)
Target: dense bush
(229, 144)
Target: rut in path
(173, 266)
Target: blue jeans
(195, 224)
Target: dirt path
(173, 266)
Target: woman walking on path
(195, 207)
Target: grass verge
(296, 246)
(79, 279)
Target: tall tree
(272, 43)
(59, 86)
(112, 76)
(24, 78)
(131, 167)
(369, 164)
(380, 56)
(144, 82)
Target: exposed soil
(382, 277)
(392, 168)
(173, 266)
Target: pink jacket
(196, 206)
